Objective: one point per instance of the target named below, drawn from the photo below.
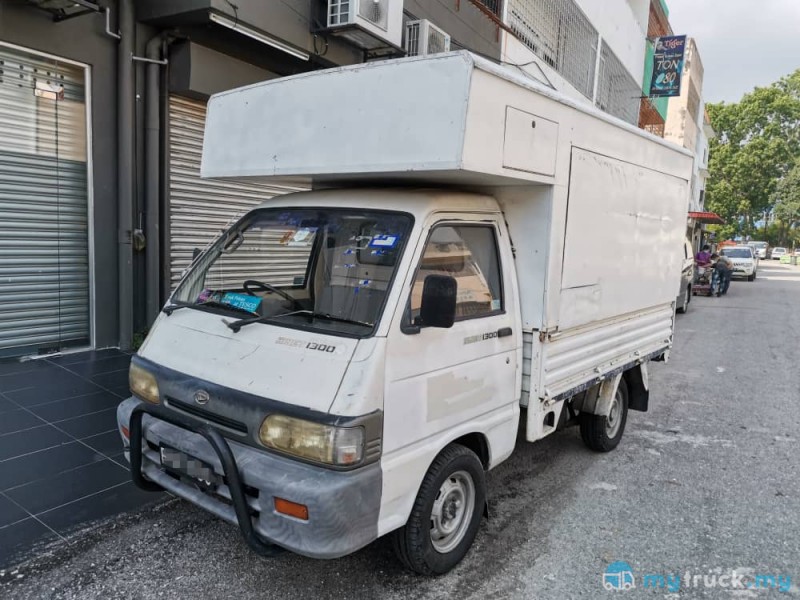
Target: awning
(706, 217)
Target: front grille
(207, 415)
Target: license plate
(182, 463)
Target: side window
(468, 253)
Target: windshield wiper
(178, 304)
(237, 325)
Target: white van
(347, 363)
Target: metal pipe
(108, 25)
(155, 49)
(164, 216)
(125, 170)
(152, 61)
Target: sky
(743, 43)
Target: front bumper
(343, 507)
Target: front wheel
(752, 277)
(446, 514)
(602, 433)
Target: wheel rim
(614, 418)
(452, 511)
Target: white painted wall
(621, 23)
(618, 23)
(517, 53)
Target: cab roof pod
(450, 118)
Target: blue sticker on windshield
(243, 301)
(383, 241)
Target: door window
(469, 254)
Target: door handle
(504, 332)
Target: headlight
(340, 446)
(143, 384)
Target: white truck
(348, 362)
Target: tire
(596, 432)
(752, 277)
(687, 297)
(427, 544)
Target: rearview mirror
(438, 308)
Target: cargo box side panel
(571, 359)
(399, 117)
(623, 244)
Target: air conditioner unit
(368, 24)
(423, 38)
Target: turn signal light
(125, 433)
(298, 511)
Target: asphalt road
(707, 482)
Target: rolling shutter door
(44, 242)
(201, 208)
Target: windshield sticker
(349, 251)
(383, 241)
(205, 295)
(243, 301)
(363, 282)
(298, 237)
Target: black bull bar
(229, 469)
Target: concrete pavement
(705, 483)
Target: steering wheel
(260, 285)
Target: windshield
(322, 269)
(758, 245)
(738, 252)
(779, 251)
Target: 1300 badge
(284, 341)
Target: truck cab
(346, 345)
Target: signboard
(667, 66)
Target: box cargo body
(595, 208)
(352, 359)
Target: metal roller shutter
(201, 208)
(44, 242)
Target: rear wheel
(446, 514)
(603, 433)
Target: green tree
(757, 144)
(787, 205)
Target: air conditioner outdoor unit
(344, 12)
(423, 38)
(368, 24)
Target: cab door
(440, 381)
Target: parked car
(778, 252)
(759, 248)
(687, 278)
(744, 261)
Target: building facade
(653, 111)
(591, 51)
(102, 108)
(687, 124)
(102, 105)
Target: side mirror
(438, 308)
(195, 253)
